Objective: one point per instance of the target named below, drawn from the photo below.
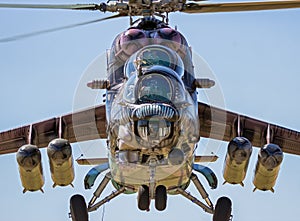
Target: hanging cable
(103, 212)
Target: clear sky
(255, 58)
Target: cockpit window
(153, 55)
(150, 57)
(154, 88)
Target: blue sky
(255, 58)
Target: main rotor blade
(45, 6)
(239, 6)
(32, 34)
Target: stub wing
(224, 125)
(75, 127)
(90, 124)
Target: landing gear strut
(222, 211)
(94, 206)
(79, 210)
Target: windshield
(153, 55)
(155, 88)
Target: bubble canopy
(154, 55)
(154, 75)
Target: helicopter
(144, 63)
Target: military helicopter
(150, 111)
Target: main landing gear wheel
(222, 209)
(143, 198)
(161, 198)
(78, 209)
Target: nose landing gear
(160, 198)
(143, 198)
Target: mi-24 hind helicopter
(152, 120)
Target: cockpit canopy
(154, 75)
(154, 55)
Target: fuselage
(151, 107)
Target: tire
(143, 198)
(222, 209)
(161, 198)
(78, 208)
